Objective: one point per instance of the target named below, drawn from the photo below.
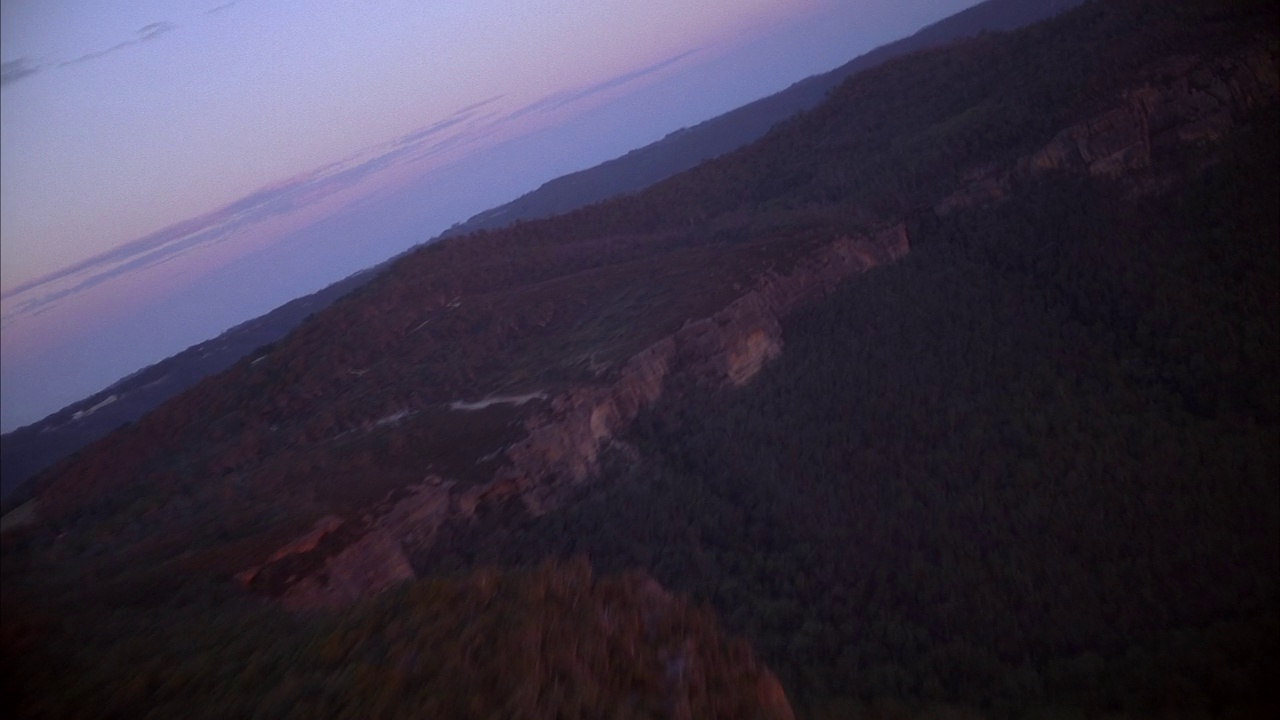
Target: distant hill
(687, 147)
(34, 447)
(31, 448)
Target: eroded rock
(730, 347)
(1185, 101)
(366, 567)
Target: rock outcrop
(331, 566)
(339, 561)
(366, 567)
(1184, 101)
(727, 348)
(416, 518)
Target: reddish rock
(331, 566)
(371, 564)
(305, 544)
(415, 518)
(1185, 101)
(729, 347)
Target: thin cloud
(154, 30)
(221, 8)
(97, 54)
(191, 235)
(145, 33)
(476, 106)
(15, 70)
(458, 117)
(560, 99)
(434, 129)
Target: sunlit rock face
(626, 637)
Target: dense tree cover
(685, 148)
(899, 136)
(553, 642)
(536, 300)
(1031, 467)
(1034, 465)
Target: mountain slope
(32, 448)
(687, 147)
(1028, 466)
(351, 408)
(575, 646)
(1034, 463)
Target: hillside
(1024, 466)
(955, 394)
(32, 448)
(687, 147)
(573, 647)
(27, 450)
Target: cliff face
(339, 561)
(727, 348)
(1184, 101)
(331, 566)
(371, 564)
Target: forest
(1028, 470)
(1032, 466)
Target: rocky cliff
(331, 566)
(340, 560)
(1183, 101)
(727, 348)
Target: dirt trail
(497, 400)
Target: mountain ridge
(1028, 467)
(31, 448)
(686, 147)
(732, 345)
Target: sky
(170, 169)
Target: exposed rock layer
(371, 564)
(339, 561)
(727, 348)
(332, 565)
(1185, 100)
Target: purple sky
(170, 169)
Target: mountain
(34, 447)
(953, 396)
(31, 448)
(573, 645)
(687, 147)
